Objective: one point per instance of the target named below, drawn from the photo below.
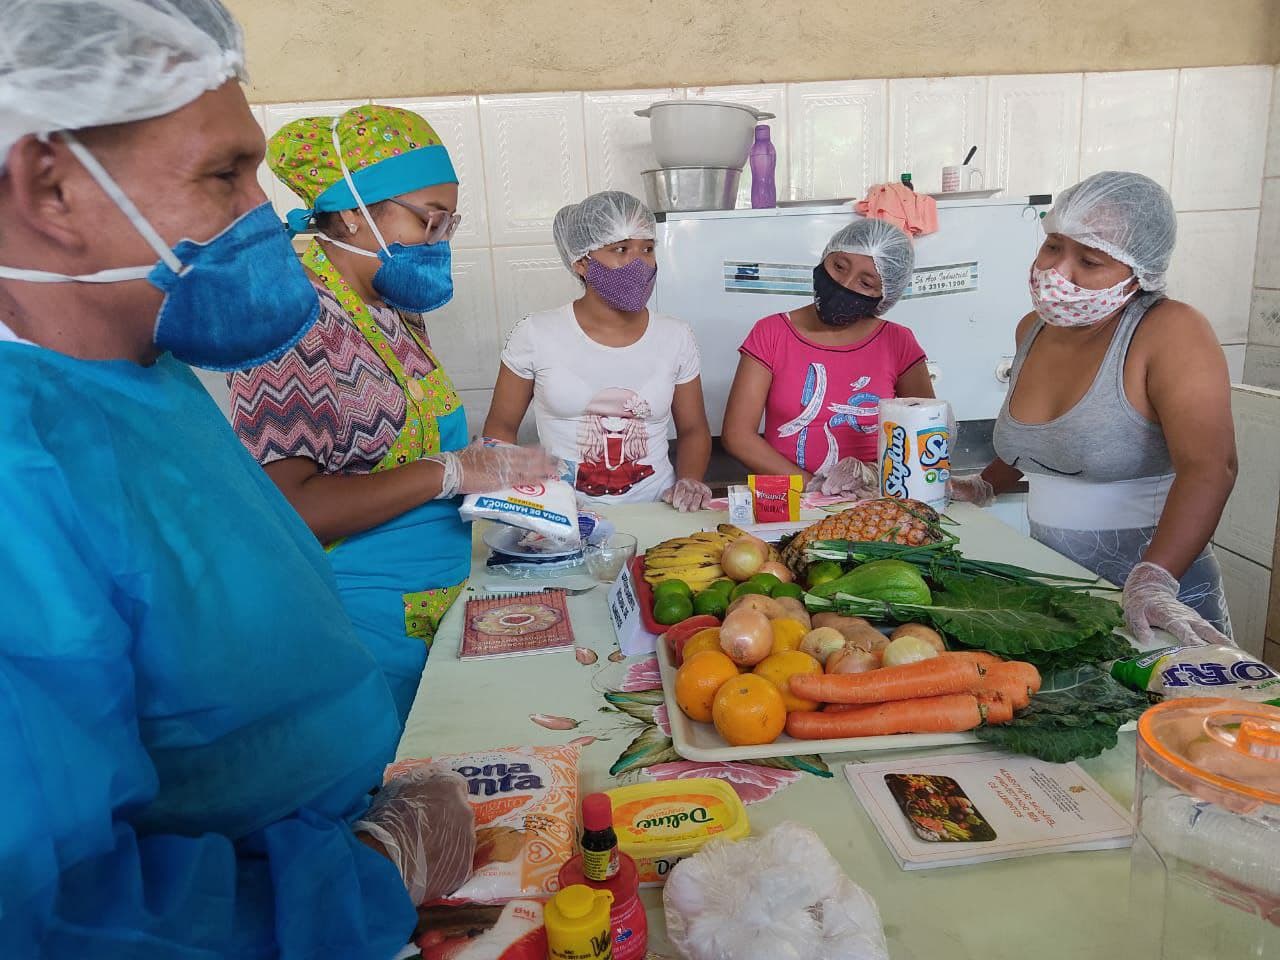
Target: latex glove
(1151, 600)
(851, 476)
(972, 489)
(477, 468)
(687, 495)
(423, 820)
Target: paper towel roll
(915, 450)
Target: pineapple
(893, 521)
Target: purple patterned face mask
(627, 288)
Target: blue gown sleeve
(76, 878)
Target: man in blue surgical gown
(189, 728)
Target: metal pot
(702, 133)
(674, 189)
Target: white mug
(953, 178)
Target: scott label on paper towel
(915, 450)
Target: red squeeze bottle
(600, 856)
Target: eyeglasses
(440, 225)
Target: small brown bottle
(599, 842)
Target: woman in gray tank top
(1119, 411)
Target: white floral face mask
(1062, 303)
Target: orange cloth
(913, 213)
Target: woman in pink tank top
(817, 373)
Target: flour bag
(915, 450)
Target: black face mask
(839, 306)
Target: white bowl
(702, 133)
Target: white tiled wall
(1201, 132)
(1245, 538)
(1262, 363)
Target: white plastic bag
(781, 896)
(548, 507)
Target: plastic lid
(576, 902)
(597, 812)
(674, 818)
(1225, 752)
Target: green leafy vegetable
(1077, 713)
(1043, 625)
(937, 560)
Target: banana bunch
(695, 559)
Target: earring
(352, 227)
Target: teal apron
(428, 548)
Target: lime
(823, 572)
(714, 602)
(742, 589)
(788, 590)
(676, 587)
(767, 580)
(723, 586)
(672, 608)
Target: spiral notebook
(516, 624)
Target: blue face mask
(232, 302)
(239, 300)
(416, 278)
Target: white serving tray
(700, 742)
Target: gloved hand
(428, 829)
(849, 476)
(972, 489)
(687, 495)
(477, 468)
(1151, 600)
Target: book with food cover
(515, 624)
(941, 811)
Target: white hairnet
(888, 247)
(1124, 214)
(71, 64)
(599, 220)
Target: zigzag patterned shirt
(330, 398)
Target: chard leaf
(1077, 713)
(1049, 626)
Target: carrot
(1017, 681)
(951, 713)
(996, 707)
(980, 657)
(1025, 672)
(934, 677)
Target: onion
(779, 570)
(743, 558)
(908, 649)
(770, 607)
(746, 636)
(821, 642)
(794, 609)
(852, 659)
(928, 634)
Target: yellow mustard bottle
(577, 922)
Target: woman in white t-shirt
(606, 376)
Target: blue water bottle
(764, 161)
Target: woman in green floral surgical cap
(358, 425)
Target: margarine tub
(659, 824)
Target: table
(1059, 905)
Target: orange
(748, 710)
(779, 668)
(708, 639)
(697, 681)
(787, 634)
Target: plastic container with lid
(660, 824)
(1205, 880)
